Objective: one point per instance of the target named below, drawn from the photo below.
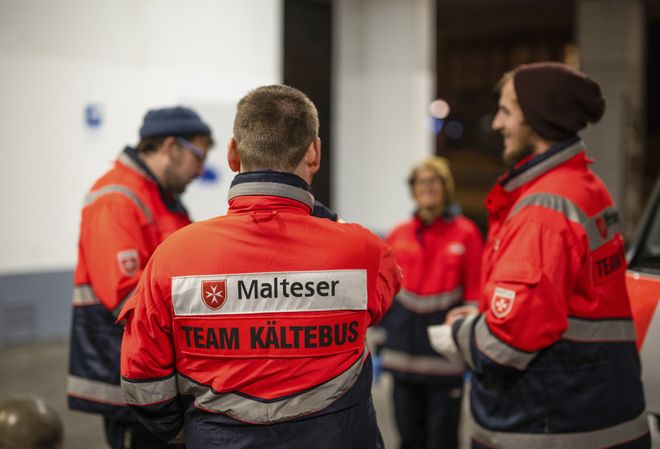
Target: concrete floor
(41, 368)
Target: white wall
(383, 84)
(128, 56)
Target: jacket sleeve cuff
(442, 342)
(462, 336)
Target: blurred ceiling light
(454, 130)
(439, 108)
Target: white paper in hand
(443, 342)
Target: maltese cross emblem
(502, 302)
(214, 293)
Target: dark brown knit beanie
(556, 100)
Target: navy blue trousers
(427, 416)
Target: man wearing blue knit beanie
(126, 214)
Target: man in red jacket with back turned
(127, 213)
(553, 350)
(248, 330)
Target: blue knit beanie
(176, 121)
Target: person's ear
(233, 158)
(313, 156)
(168, 145)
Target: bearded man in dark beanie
(553, 347)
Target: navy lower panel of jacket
(407, 333)
(123, 435)
(569, 387)
(351, 428)
(94, 356)
(350, 421)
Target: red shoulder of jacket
(457, 226)
(407, 227)
(129, 177)
(293, 241)
(465, 225)
(575, 181)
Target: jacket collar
(450, 213)
(129, 157)
(532, 168)
(272, 183)
(505, 192)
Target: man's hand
(460, 312)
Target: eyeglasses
(195, 150)
(427, 181)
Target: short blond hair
(441, 167)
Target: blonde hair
(504, 79)
(440, 166)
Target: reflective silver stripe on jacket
(497, 350)
(83, 295)
(123, 190)
(595, 439)
(599, 330)
(419, 364)
(94, 390)
(577, 330)
(149, 392)
(253, 411)
(607, 218)
(429, 303)
(376, 336)
(545, 166)
(272, 189)
(463, 337)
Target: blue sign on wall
(211, 175)
(93, 115)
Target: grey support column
(611, 38)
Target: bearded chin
(512, 158)
(171, 182)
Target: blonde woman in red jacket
(439, 252)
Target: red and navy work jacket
(440, 263)
(257, 318)
(124, 218)
(553, 351)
